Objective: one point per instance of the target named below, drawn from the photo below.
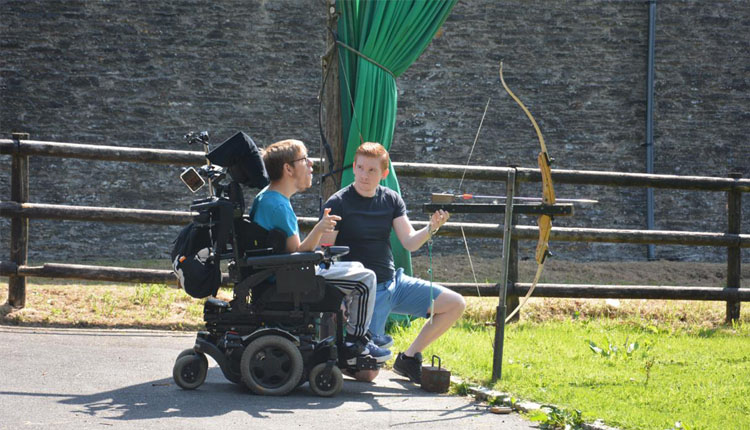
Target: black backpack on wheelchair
(268, 336)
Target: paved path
(84, 379)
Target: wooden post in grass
(734, 254)
(19, 225)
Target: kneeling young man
(290, 172)
(367, 213)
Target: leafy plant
(557, 418)
(647, 365)
(612, 350)
(144, 293)
(460, 389)
(106, 305)
(496, 401)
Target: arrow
(447, 198)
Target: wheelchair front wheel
(190, 371)
(187, 352)
(271, 365)
(326, 386)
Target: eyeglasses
(307, 160)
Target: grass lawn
(698, 377)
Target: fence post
(512, 300)
(497, 358)
(734, 255)
(19, 225)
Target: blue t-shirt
(272, 209)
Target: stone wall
(144, 73)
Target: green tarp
(392, 34)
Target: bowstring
(429, 272)
(460, 184)
(463, 234)
(528, 294)
(476, 138)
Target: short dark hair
(280, 153)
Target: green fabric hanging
(393, 34)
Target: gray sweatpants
(358, 285)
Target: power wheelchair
(268, 336)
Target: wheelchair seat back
(271, 278)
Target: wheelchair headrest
(242, 159)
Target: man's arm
(332, 205)
(329, 237)
(412, 239)
(326, 225)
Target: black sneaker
(411, 367)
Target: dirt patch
(456, 268)
(70, 303)
(664, 313)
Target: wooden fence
(20, 211)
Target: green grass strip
(631, 375)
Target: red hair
(374, 150)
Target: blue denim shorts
(402, 295)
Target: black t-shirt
(365, 227)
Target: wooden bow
(548, 198)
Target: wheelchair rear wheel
(271, 365)
(189, 371)
(326, 386)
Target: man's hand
(437, 220)
(327, 224)
(412, 239)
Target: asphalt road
(85, 379)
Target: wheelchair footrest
(366, 363)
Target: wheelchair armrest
(336, 251)
(296, 258)
(259, 251)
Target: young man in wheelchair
(290, 171)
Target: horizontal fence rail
(20, 211)
(90, 273)
(101, 152)
(446, 171)
(587, 291)
(571, 291)
(451, 229)
(94, 213)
